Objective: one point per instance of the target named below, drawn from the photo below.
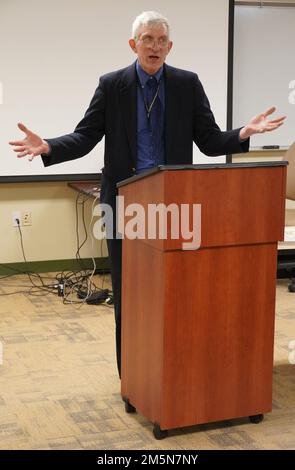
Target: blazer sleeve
(86, 135)
(207, 135)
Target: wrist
(244, 133)
(45, 147)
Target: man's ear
(170, 44)
(132, 44)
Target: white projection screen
(52, 54)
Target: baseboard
(102, 265)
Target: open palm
(32, 145)
(260, 123)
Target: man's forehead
(154, 29)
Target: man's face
(151, 46)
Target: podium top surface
(211, 166)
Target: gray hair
(148, 18)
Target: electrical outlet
(27, 218)
(16, 216)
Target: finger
(278, 124)
(269, 111)
(22, 154)
(271, 128)
(270, 125)
(23, 128)
(20, 149)
(31, 157)
(280, 119)
(16, 142)
(268, 129)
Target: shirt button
(133, 169)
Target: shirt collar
(144, 77)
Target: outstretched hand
(31, 146)
(260, 124)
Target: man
(150, 114)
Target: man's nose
(156, 46)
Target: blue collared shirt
(150, 142)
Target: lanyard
(148, 108)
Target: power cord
(43, 287)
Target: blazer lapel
(128, 94)
(172, 111)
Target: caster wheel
(158, 433)
(256, 419)
(129, 408)
(291, 287)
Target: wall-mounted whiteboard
(53, 52)
(264, 70)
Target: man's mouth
(154, 57)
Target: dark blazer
(113, 113)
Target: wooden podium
(198, 326)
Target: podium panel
(198, 326)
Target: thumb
(23, 128)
